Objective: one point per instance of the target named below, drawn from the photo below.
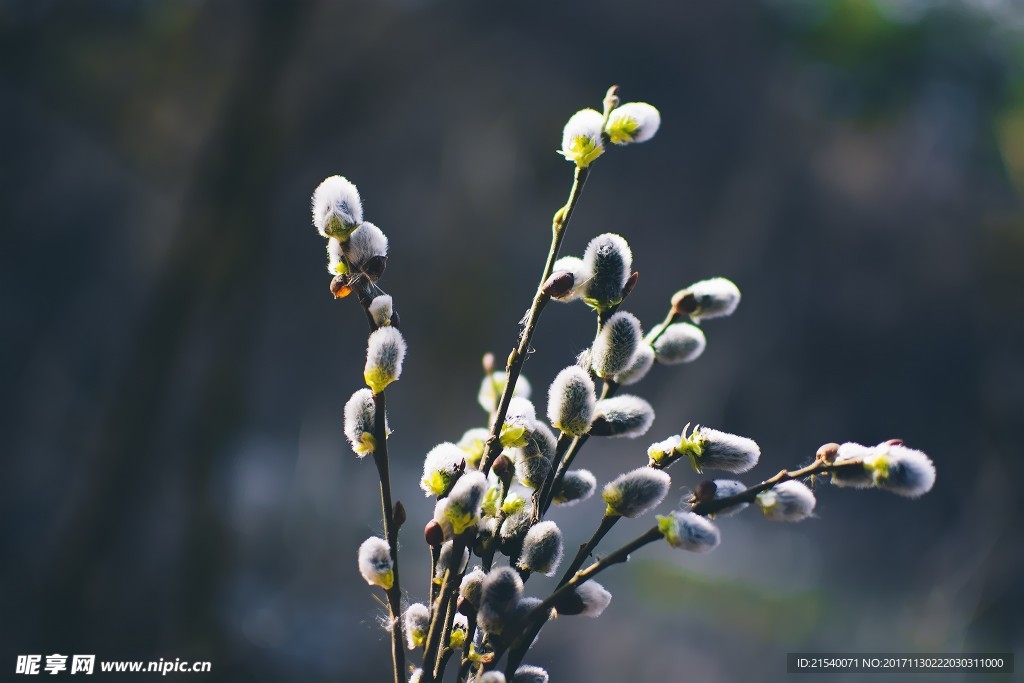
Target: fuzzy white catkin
(594, 597)
(532, 470)
(542, 549)
(633, 122)
(855, 477)
(492, 387)
(446, 560)
(385, 352)
(727, 452)
(581, 137)
(364, 243)
(520, 410)
(472, 444)
(637, 492)
(624, 416)
(513, 530)
(530, 674)
(416, 676)
(581, 274)
(381, 309)
(643, 361)
(725, 488)
(502, 590)
(689, 531)
(472, 586)
(610, 262)
(790, 501)
(336, 204)
(577, 486)
(571, 401)
(539, 441)
(490, 677)
(335, 260)
(462, 507)
(716, 298)
(360, 415)
(616, 344)
(679, 343)
(901, 470)
(417, 621)
(375, 562)
(440, 467)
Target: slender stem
(466, 661)
(548, 491)
(518, 356)
(394, 594)
(446, 634)
(669, 319)
(439, 612)
(534, 620)
(607, 522)
(710, 507)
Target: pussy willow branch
(710, 507)
(546, 491)
(607, 522)
(531, 624)
(380, 459)
(518, 356)
(440, 613)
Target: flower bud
(530, 674)
(416, 676)
(446, 560)
(360, 422)
(462, 506)
(375, 562)
(790, 501)
(490, 677)
(588, 599)
(385, 351)
(571, 401)
(852, 477)
(626, 416)
(494, 385)
(381, 310)
(365, 242)
(901, 470)
(433, 533)
(688, 531)
(503, 469)
(532, 471)
(442, 466)
(635, 493)
(417, 621)
(576, 486)
(472, 587)
(341, 286)
(610, 262)
(710, 448)
(501, 591)
(581, 137)
(712, 298)
(337, 208)
(638, 368)
(679, 343)
(512, 532)
(559, 285)
(523, 608)
(542, 549)
(580, 273)
(616, 344)
(632, 122)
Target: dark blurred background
(175, 481)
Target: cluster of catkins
(494, 510)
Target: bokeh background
(175, 481)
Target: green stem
(518, 356)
